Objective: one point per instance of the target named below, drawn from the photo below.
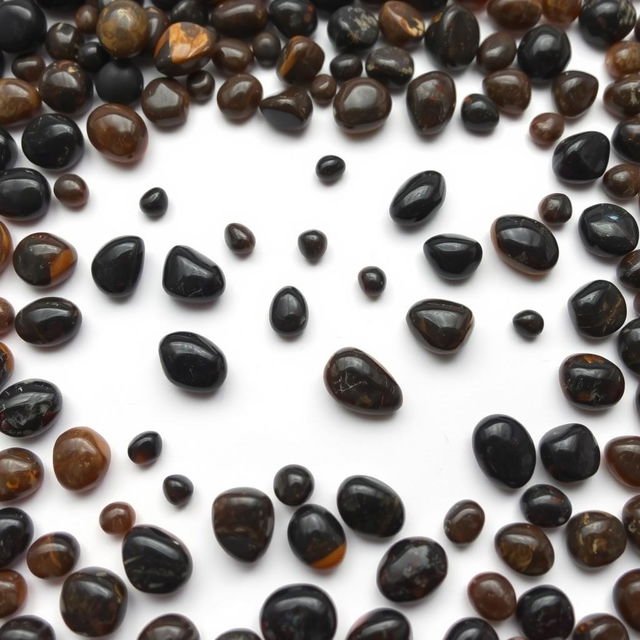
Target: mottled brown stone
(81, 458)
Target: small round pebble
(28, 67)
(372, 281)
(312, 244)
(555, 208)
(479, 114)
(154, 203)
(546, 128)
(293, 485)
(7, 316)
(330, 168)
(464, 522)
(528, 323)
(177, 489)
(71, 190)
(145, 448)
(545, 505)
(323, 88)
(239, 239)
(492, 596)
(117, 518)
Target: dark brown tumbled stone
(13, 592)
(289, 110)
(123, 28)
(600, 626)
(401, 23)
(117, 518)
(623, 58)
(464, 522)
(19, 101)
(44, 260)
(574, 92)
(53, 555)
(440, 325)
(65, 87)
(118, 132)
(28, 67)
(323, 89)
(561, 11)
(21, 473)
(239, 18)
(71, 190)
(509, 89)
(232, 56)
(7, 316)
(361, 105)
(239, 239)
(631, 520)
(515, 14)
(300, 60)
(496, 52)
(492, 596)
(239, 97)
(81, 458)
(165, 102)
(622, 98)
(6, 363)
(626, 597)
(622, 181)
(431, 100)
(622, 456)
(546, 128)
(591, 381)
(595, 538)
(525, 548)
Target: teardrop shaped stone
(288, 313)
(574, 92)
(116, 268)
(48, 322)
(361, 384)
(440, 325)
(418, 199)
(525, 548)
(243, 522)
(29, 408)
(581, 158)
(591, 381)
(155, 561)
(431, 101)
(525, 244)
(25, 194)
(453, 257)
(598, 309)
(192, 362)
(453, 37)
(381, 624)
(289, 110)
(44, 260)
(192, 277)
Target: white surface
(273, 408)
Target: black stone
(29, 408)
(289, 110)
(440, 325)
(63, 41)
(330, 168)
(545, 613)
(239, 634)
(545, 506)
(171, 626)
(194, 11)
(544, 52)
(582, 157)
(288, 314)
(570, 453)
(294, 17)
(411, 569)
(453, 38)
(27, 628)
(628, 270)
(591, 381)
(8, 150)
(372, 281)
(381, 624)
(293, 485)
(626, 140)
(298, 611)
(23, 26)
(603, 22)
(453, 257)
(266, 48)
(117, 267)
(312, 244)
(119, 81)
(191, 277)
(370, 506)
(352, 28)
(316, 537)
(608, 230)
(598, 309)
(504, 450)
(145, 448)
(345, 66)
(418, 199)
(48, 322)
(629, 345)
(154, 203)
(479, 114)
(471, 629)
(154, 560)
(16, 533)
(239, 239)
(25, 194)
(528, 323)
(92, 56)
(192, 362)
(392, 66)
(53, 141)
(177, 489)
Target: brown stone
(622, 98)
(86, 18)
(300, 60)
(546, 128)
(117, 518)
(239, 97)
(509, 89)
(525, 548)
(158, 24)
(66, 87)
(622, 456)
(123, 28)
(71, 190)
(183, 48)
(622, 181)
(44, 260)
(515, 14)
(492, 596)
(631, 520)
(239, 18)
(600, 626)
(361, 105)
(574, 92)
(13, 592)
(626, 597)
(6, 363)
(165, 102)
(118, 132)
(53, 555)
(232, 56)
(6, 246)
(431, 100)
(7, 316)
(595, 538)
(21, 473)
(401, 24)
(623, 58)
(496, 52)
(464, 522)
(561, 11)
(18, 101)
(28, 67)
(323, 89)
(81, 458)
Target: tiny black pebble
(372, 281)
(312, 244)
(330, 168)
(528, 323)
(177, 489)
(154, 202)
(145, 448)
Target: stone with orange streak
(21, 473)
(44, 260)
(300, 60)
(183, 48)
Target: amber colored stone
(19, 101)
(239, 97)
(515, 14)
(7, 315)
(496, 52)
(622, 456)
(492, 596)
(118, 132)
(525, 548)
(66, 87)
(43, 260)
(48, 322)
(71, 190)
(86, 18)
(28, 67)
(623, 58)
(300, 60)
(361, 105)
(53, 555)
(117, 518)
(546, 128)
(183, 48)
(123, 28)
(509, 89)
(81, 458)
(626, 597)
(401, 23)
(323, 89)
(574, 92)
(316, 537)
(591, 381)
(165, 102)
(464, 522)
(600, 626)
(6, 246)
(595, 538)
(6, 363)
(13, 592)
(561, 11)
(21, 473)
(622, 98)
(622, 181)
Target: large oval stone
(453, 37)
(48, 322)
(440, 325)
(591, 381)
(29, 408)
(418, 199)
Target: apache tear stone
(440, 325)
(598, 309)
(591, 381)
(418, 199)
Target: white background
(273, 408)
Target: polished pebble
(496, 52)
(118, 132)
(453, 257)
(431, 101)
(48, 322)
(177, 489)
(330, 168)
(622, 182)
(26, 628)
(545, 613)
(603, 22)
(597, 309)
(19, 101)
(63, 41)
(21, 474)
(392, 66)
(24, 26)
(16, 531)
(53, 141)
(117, 266)
(631, 520)
(239, 97)
(479, 114)
(441, 326)
(8, 150)
(509, 90)
(13, 592)
(184, 47)
(515, 14)
(266, 48)
(25, 195)
(240, 239)
(544, 52)
(312, 244)
(492, 596)
(200, 86)
(574, 92)
(464, 522)
(418, 199)
(528, 323)
(546, 128)
(119, 81)
(607, 230)
(165, 102)
(43, 260)
(620, 97)
(401, 23)
(600, 626)
(626, 597)
(117, 518)
(154, 202)
(66, 87)
(629, 345)
(123, 28)
(6, 363)
(622, 456)
(86, 18)
(145, 448)
(293, 485)
(591, 381)
(545, 506)
(81, 459)
(570, 453)
(381, 624)
(372, 281)
(232, 56)
(323, 89)
(294, 17)
(595, 539)
(7, 316)
(92, 56)
(362, 105)
(300, 60)
(192, 277)
(29, 408)
(352, 28)
(453, 37)
(555, 209)
(53, 555)
(289, 313)
(581, 158)
(71, 190)
(346, 66)
(525, 548)
(289, 110)
(239, 18)
(622, 59)
(170, 626)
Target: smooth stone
(239, 238)
(418, 199)
(595, 539)
(401, 24)
(453, 37)
(239, 634)
(381, 624)
(392, 66)
(8, 150)
(165, 102)
(266, 48)
(154, 202)
(6, 363)
(27, 628)
(631, 520)
(312, 244)
(23, 26)
(330, 168)
(370, 506)
(25, 195)
(570, 453)
(471, 629)
(622, 456)
(13, 592)
(117, 266)
(591, 381)
(53, 555)
(515, 14)
(440, 325)
(155, 561)
(622, 98)
(561, 11)
(300, 60)
(525, 244)
(372, 281)
(623, 58)
(298, 611)
(504, 450)
(626, 597)
(183, 48)
(316, 537)
(158, 23)
(544, 52)
(411, 569)
(496, 52)
(28, 67)
(191, 277)
(71, 190)
(597, 309)
(240, 18)
(545, 506)
(492, 596)
(177, 489)
(232, 56)
(607, 230)
(48, 322)
(622, 181)
(123, 28)
(581, 158)
(323, 89)
(600, 626)
(145, 448)
(545, 613)
(86, 18)
(6, 247)
(603, 22)
(170, 626)
(81, 459)
(528, 323)
(293, 485)
(118, 132)
(43, 260)
(352, 28)
(289, 110)
(294, 17)
(509, 90)
(288, 314)
(7, 316)
(200, 86)
(21, 474)
(464, 522)
(29, 408)
(362, 105)
(66, 87)
(239, 97)
(119, 81)
(574, 92)
(525, 548)
(192, 362)
(16, 533)
(479, 114)
(546, 128)
(346, 66)
(117, 518)
(62, 41)
(92, 56)
(431, 101)
(19, 101)
(361, 384)
(626, 140)
(53, 141)
(93, 602)
(555, 209)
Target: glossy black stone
(597, 309)
(239, 634)
(453, 257)
(479, 114)
(345, 66)
(23, 26)
(288, 314)
(53, 141)
(582, 157)
(471, 629)
(608, 230)
(293, 485)
(29, 408)
(62, 41)
(504, 450)
(48, 322)
(16, 533)
(372, 281)
(177, 489)
(418, 199)
(239, 239)
(626, 140)
(392, 66)
(8, 150)
(191, 277)
(352, 28)
(570, 453)
(289, 110)
(312, 244)
(92, 56)
(412, 569)
(117, 267)
(294, 17)
(545, 613)
(155, 561)
(155, 202)
(316, 537)
(545, 506)
(381, 624)
(629, 345)
(370, 506)
(544, 52)
(591, 381)
(145, 448)
(192, 362)
(119, 81)
(25, 194)
(528, 323)
(170, 626)
(330, 168)
(441, 326)
(298, 611)
(27, 628)
(453, 38)
(603, 22)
